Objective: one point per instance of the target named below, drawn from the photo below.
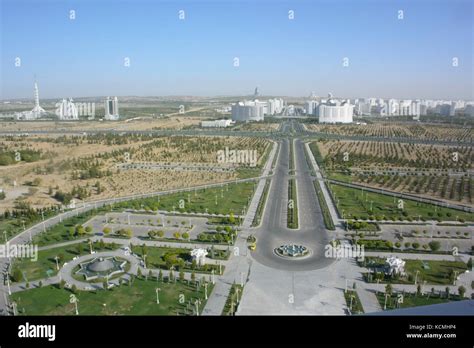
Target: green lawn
(436, 272)
(61, 231)
(433, 272)
(14, 225)
(261, 204)
(137, 299)
(357, 204)
(235, 295)
(413, 300)
(231, 198)
(45, 266)
(218, 200)
(292, 217)
(356, 305)
(179, 258)
(324, 208)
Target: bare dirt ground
(67, 162)
(142, 123)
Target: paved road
(274, 232)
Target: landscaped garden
(409, 299)
(178, 259)
(138, 298)
(429, 271)
(25, 269)
(360, 204)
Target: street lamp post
(8, 285)
(212, 277)
(57, 263)
(416, 276)
(73, 299)
(197, 302)
(14, 308)
(455, 277)
(157, 298)
(237, 294)
(205, 291)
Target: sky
(387, 57)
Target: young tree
(434, 245)
(461, 291)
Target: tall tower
(256, 93)
(37, 109)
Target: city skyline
(388, 57)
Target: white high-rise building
(469, 109)
(310, 107)
(111, 109)
(335, 111)
(362, 107)
(248, 111)
(66, 110)
(274, 106)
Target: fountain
(101, 267)
(292, 251)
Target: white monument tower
(37, 110)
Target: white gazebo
(395, 265)
(199, 255)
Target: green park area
(22, 217)
(414, 299)
(68, 229)
(360, 204)
(177, 258)
(429, 271)
(231, 199)
(292, 213)
(225, 199)
(353, 301)
(233, 300)
(138, 298)
(26, 269)
(324, 207)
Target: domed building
(335, 111)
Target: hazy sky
(388, 57)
